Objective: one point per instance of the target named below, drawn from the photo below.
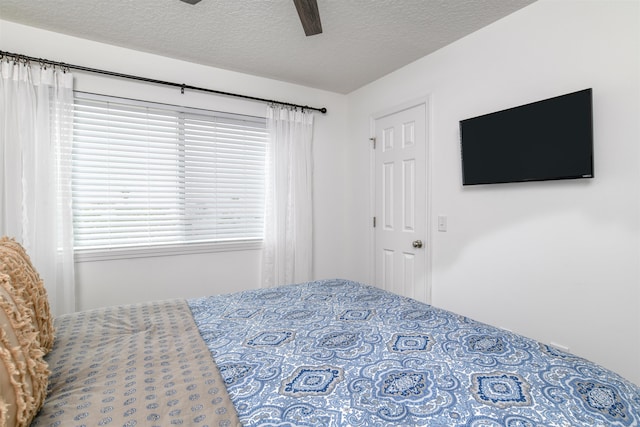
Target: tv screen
(544, 140)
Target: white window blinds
(148, 174)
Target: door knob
(417, 244)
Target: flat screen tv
(544, 140)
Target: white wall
(556, 261)
(101, 283)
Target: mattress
(323, 353)
(339, 353)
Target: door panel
(400, 202)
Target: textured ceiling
(362, 40)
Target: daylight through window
(148, 174)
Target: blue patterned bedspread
(339, 353)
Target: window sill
(88, 255)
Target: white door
(401, 203)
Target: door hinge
(374, 222)
(373, 140)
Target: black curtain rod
(182, 86)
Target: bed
(323, 353)
(338, 353)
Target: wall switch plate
(442, 223)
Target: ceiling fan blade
(309, 16)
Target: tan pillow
(23, 372)
(15, 262)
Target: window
(149, 175)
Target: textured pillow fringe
(28, 371)
(35, 293)
(28, 339)
(8, 356)
(4, 412)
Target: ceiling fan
(307, 11)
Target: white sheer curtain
(287, 252)
(36, 111)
